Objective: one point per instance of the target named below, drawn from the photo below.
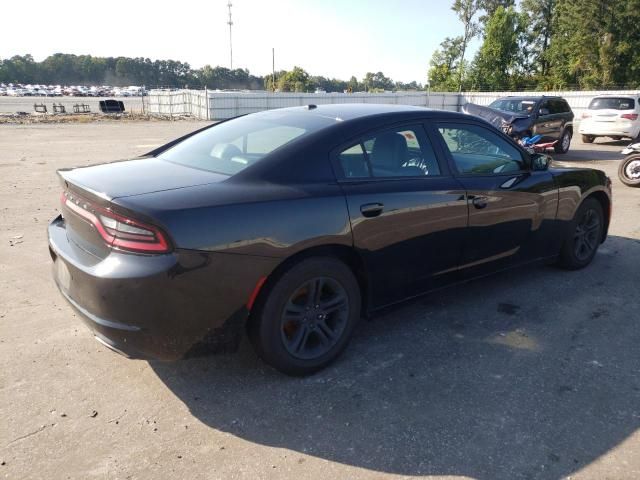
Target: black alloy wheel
(584, 236)
(587, 235)
(306, 315)
(314, 318)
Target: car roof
(529, 97)
(354, 111)
(618, 95)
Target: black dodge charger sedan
(291, 224)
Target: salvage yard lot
(524, 375)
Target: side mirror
(540, 162)
(544, 111)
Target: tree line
(67, 69)
(541, 44)
(530, 44)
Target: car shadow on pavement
(603, 149)
(528, 374)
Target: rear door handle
(371, 209)
(480, 202)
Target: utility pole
(230, 23)
(273, 69)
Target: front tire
(583, 236)
(565, 142)
(629, 171)
(307, 317)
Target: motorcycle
(629, 169)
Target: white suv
(615, 116)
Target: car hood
(136, 177)
(497, 118)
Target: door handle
(371, 209)
(480, 202)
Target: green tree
(595, 43)
(466, 10)
(296, 80)
(490, 7)
(353, 85)
(539, 16)
(377, 82)
(496, 64)
(445, 64)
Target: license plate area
(63, 275)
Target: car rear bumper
(609, 129)
(156, 306)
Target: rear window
(232, 146)
(612, 103)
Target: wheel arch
(344, 253)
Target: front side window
(403, 152)
(479, 151)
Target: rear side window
(612, 103)
(234, 145)
(354, 162)
(403, 152)
(558, 106)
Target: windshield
(612, 103)
(234, 145)
(515, 105)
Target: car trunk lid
(135, 177)
(96, 225)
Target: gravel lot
(526, 375)
(25, 104)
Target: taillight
(116, 230)
(586, 115)
(630, 116)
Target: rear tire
(306, 319)
(629, 171)
(588, 138)
(565, 142)
(584, 236)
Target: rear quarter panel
(251, 219)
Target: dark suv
(527, 116)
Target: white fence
(215, 105)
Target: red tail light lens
(116, 230)
(630, 116)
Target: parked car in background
(290, 223)
(614, 116)
(527, 116)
